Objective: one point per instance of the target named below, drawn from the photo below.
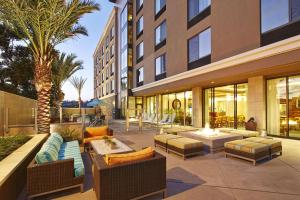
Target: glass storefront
(283, 107)
(226, 106)
(178, 105)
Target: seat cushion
(48, 153)
(246, 146)
(163, 138)
(270, 142)
(97, 131)
(114, 159)
(71, 150)
(185, 143)
(56, 140)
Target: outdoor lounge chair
(170, 121)
(132, 180)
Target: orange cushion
(87, 140)
(97, 131)
(114, 159)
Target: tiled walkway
(212, 176)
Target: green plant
(109, 141)
(11, 143)
(67, 132)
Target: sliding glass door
(283, 107)
(226, 106)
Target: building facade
(105, 66)
(217, 62)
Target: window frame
(138, 82)
(138, 9)
(162, 42)
(161, 75)
(138, 34)
(161, 11)
(139, 57)
(201, 61)
(199, 17)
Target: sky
(84, 48)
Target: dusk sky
(84, 48)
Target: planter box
(13, 168)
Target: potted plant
(108, 141)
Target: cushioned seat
(165, 137)
(87, 140)
(72, 150)
(185, 143)
(245, 133)
(246, 146)
(270, 142)
(184, 146)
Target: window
(159, 5)
(140, 76)
(107, 88)
(160, 33)
(112, 68)
(107, 57)
(112, 33)
(112, 86)
(140, 51)
(160, 67)
(139, 26)
(139, 4)
(107, 73)
(107, 41)
(200, 46)
(196, 7)
(102, 77)
(112, 50)
(103, 50)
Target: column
(197, 107)
(257, 101)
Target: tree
(42, 25)
(63, 67)
(16, 65)
(78, 83)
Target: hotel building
(105, 62)
(215, 62)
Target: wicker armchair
(51, 177)
(130, 180)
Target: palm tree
(42, 25)
(62, 69)
(78, 83)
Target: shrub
(11, 143)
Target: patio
(211, 176)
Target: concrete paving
(212, 176)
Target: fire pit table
(213, 141)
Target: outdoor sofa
(95, 133)
(56, 167)
(131, 179)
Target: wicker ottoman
(275, 146)
(247, 150)
(162, 139)
(184, 146)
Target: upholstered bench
(247, 150)
(184, 146)
(275, 146)
(244, 133)
(162, 139)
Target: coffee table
(101, 148)
(212, 143)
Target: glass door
(294, 107)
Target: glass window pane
(159, 4)
(194, 49)
(274, 13)
(242, 97)
(276, 107)
(295, 10)
(160, 33)
(205, 43)
(294, 106)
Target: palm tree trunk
(43, 115)
(79, 105)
